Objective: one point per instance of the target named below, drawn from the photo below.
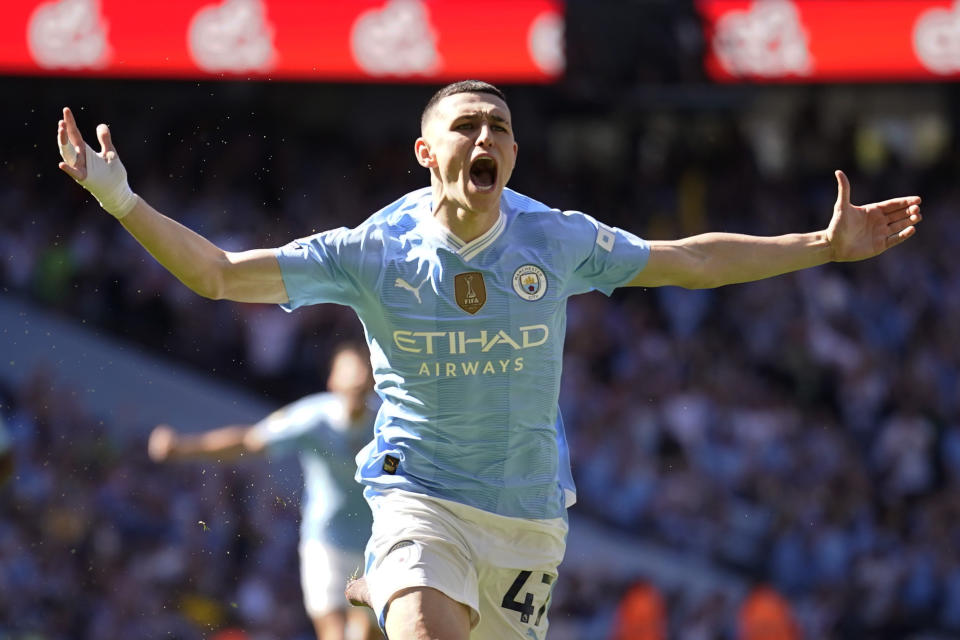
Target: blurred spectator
(641, 614)
(765, 615)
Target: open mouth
(483, 173)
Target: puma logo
(403, 284)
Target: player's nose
(485, 137)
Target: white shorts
(502, 568)
(324, 571)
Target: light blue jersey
(466, 342)
(318, 429)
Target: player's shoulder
(320, 403)
(378, 230)
(307, 417)
(524, 212)
(305, 409)
(516, 205)
(522, 207)
(402, 214)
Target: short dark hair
(463, 86)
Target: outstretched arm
(246, 276)
(716, 259)
(228, 443)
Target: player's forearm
(738, 258)
(224, 443)
(194, 260)
(717, 259)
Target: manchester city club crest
(530, 282)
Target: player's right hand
(161, 443)
(358, 593)
(102, 174)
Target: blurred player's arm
(716, 259)
(225, 443)
(245, 276)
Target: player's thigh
(331, 626)
(415, 544)
(361, 625)
(423, 613)
(324, 569)
(355, 623)
(514, 603)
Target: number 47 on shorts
(525, 604)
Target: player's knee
(422, 613)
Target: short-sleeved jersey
(466, 342)
(318, 429)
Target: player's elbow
(252, 441)
(701, 279)
(211, 293)
(699, 269)
(697, 273)
(210, 281)
(679, 263)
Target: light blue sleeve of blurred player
(297, 425)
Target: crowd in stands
(801, 433)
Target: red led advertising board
(350, 40)
(831, 40)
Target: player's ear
(425, 157)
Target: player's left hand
(860, 232)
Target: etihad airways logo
(460, 342)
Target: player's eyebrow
(474, 115)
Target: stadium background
(800, 432)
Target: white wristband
(107, 181)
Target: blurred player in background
(325, 430)
(462, 289)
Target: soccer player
(326, 430)
(462, 289)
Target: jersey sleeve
(339, 266)
(288, 429)
(604, 258)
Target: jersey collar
(466, 250)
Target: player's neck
(464, 223)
